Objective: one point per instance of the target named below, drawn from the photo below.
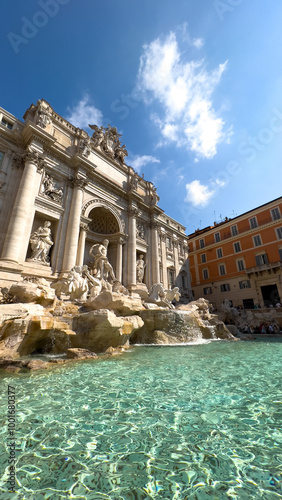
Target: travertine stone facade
(51, 171)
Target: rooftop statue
(134, 181)
(107, 139)
(111, 140)
(98, 135)
(121, 153)
(85, 146)
(43, 115)
(154, 197)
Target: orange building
(239, 259)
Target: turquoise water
(195, 422)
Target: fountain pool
(168, 422)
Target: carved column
(71, 241)
(154, 253)
(163, 250)
(21, 220)
(81, 244)
(187, 267)
(176, 260)
(131, 255)
(119, 259)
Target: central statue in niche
(41, 242)
(140, 269)
(101, 269)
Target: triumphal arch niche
(63, 191)
(103, 222)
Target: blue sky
(194, 86)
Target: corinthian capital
(133, 212)
(161, 234)
(84, 226)
(78, 182)
(31, 156)
(154, 225)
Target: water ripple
(197, 422)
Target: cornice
(10, 136)
(48, 204)
(233, 222)
(78, 160)
(32, 131)
(232, 239)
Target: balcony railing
(271, 266)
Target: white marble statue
(121, 153)
(158, 294)
(140, 269)
(154, 197)
(41, 242)
(43, 115)
(98, 135)
(134, 181)
(140, 231)
(102, 269)
(119, 288)
(49, 189)
(86, 146)
(173, 294)
(108, 140)
(95, 285)
(77, 283)
(111, 140)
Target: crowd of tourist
(263, 329)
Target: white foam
(180, 344)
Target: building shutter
(258, 260)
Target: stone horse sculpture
(159, 295)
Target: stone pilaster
(6, 161)
(81, 244)
(176, 259)
(164, 262)
(154, 253)
(120, 242)
(21, 220)
(71, 241)
(131, 247)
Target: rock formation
(250, 318)
(42, 324)
(187, 323)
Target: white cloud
(184, 90)
(198, 194)
(195, 42)
(220, 182)
(198, 42)
(137, 162)
(84, 114)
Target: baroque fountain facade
(88, 258)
